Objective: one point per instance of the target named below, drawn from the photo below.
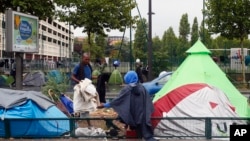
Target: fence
(206, 124)
(235, 75)
(50, 65)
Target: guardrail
(209, 124)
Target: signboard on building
(236, 58)
(21, 32)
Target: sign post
(21, 37)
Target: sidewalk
(101, 139)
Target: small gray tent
(36, 78)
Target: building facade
(56, 41)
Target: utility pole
(70, 53)
(3, 34)
(19, 67)
(43, 58)
(150, 52)
(130, 45)
(203, 23)
(60, 50)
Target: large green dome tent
(198, 88)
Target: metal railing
(176, 127)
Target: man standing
(139, 70)
(82, 70)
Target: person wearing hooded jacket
(134, 106)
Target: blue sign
(25, 30)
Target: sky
(167, 14)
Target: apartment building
(112, 40)
(56, 41)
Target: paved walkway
(87, 139)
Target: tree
(205, 36)
(40, 8)
(184, 28)
(90, 45)
(184, 31)
(140, 41)
(169, 45)
(231, 20)
(194, 32)
(101, 42)
(96, 16)
(159, 58)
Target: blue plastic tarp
(30, 114)
(33, 127)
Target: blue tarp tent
(68, 103)
(26, 111)
(57, 75)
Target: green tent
(96, 72)
(115, 78)
(199, 67)
(6, 80)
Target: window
(54, 24)
(54, 41)
(49, 39)
(44, 37)
(44, 28)
(49, 30)
(54, 32)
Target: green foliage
(40, 8)
(184, 31)
(140, 42)
(169, 46)
(229, 18)
(57, 88)
(194, 31)
(96, 16)
(206, 37)
(101, 44)
(184, 28)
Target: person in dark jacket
(102, 79)
(134, 106)
(139, 71)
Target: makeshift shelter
(57, 75)
(115, 78)
(36, 78)
(24, 112)
(6, 80)
(198, 88)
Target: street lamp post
(130, 47)
(3, 34)
(150, 41)
(70, 53)
(203, 23)
(43, 53)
